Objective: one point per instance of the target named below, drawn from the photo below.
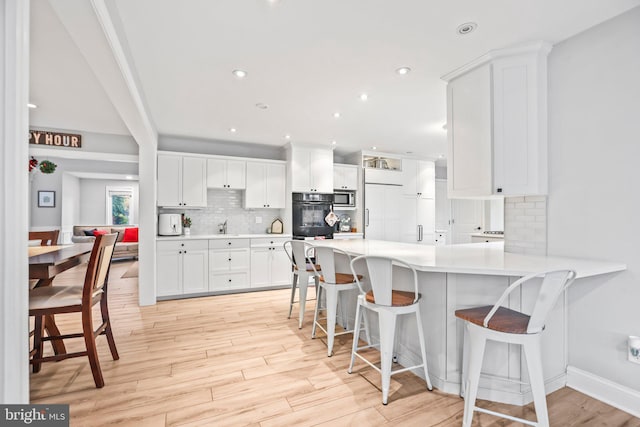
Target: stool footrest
(509, 417)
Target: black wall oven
(309, 211)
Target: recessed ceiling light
(441, 156)
(467, 28)
(374, 148)
(333, 142)
(287, 136)
(30, 105)
(241, 74)
(262, 105)
(409, 152)
(129, 177)
(364, 97)
(336, 115)
(403, 70)
(444, 126)
(232, 130)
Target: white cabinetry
(419, 178)
(345, 177)
(497, 124)
(229, 264)
(418, 220)
(182, 267)
(222, 173)
(270, 265)
(311, 169)
(383, 213)
(182, 181)
(265, 185)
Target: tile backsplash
(227, 205)
(525, 225)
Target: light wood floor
(237, 360)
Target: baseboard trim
(616, 395)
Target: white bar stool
(303, 271)
(505, 325)
(389, 304)
(331, 284)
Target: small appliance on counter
(169, 224)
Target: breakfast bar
(461, 276)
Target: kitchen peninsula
(462, 276)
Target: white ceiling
(306, 59)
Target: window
(120, 206)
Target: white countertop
(223, 236)
(473, 258)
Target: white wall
(221, 148)
(69, 206)
(594, 202)
(94, 203)
(52, 217)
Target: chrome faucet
(222, 228)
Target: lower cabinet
(270, 265)
(182, 267)
(229, 264)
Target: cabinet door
(236, 172)
(219, 261)
(409, 227)
(338, 177)
(443, 206)
(409, 180)
(254, 195)
(300, 170)
(194, 182)
(169, 272)
(469, 171)
(350, 178)
(280, 267)
(216, 173)
(374, 211)
(275, 186)
(169, 180)
(425, 179)
(425, 217)
(321, 169)
(238, 259)
(393, 214)
(467, 218)
(195, 271)
(260, 267)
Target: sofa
(121, 250)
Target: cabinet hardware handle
(185, 252)
(229, 280)
(229, 259)
(499, 190)
(367, 215)
(229, 243)
(179, 252)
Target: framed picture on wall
(46, 199)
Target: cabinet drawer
(228, 243)
(176, 245)
(223, 282)
(226, 260)
(269, 241)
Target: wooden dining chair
(51, 300)
(47, 238)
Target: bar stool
(331, 284)
(502, 324)
(303, 270)
(389, 304)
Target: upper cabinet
(497, 124)
(265, 185)
(182, 181)
(223, 173)
(311, 169)
(419, 178)
(345, 177)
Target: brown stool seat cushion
(310, 267)
(504, 320)
(343, 278)
(398, 298)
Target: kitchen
(563, 205)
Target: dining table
(45, 263)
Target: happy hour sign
(55, 139)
